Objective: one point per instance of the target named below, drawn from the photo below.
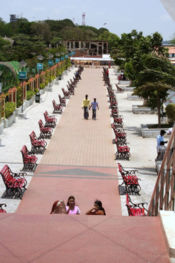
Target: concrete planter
(147, 132)
(8, 122)
(30, 102)
(18, 110)
(126, 88)
(133, 97)
(124, 82)
(142, 110)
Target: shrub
(170, 112)
(19, 96)
(30, 94)
(9, 108)
(42, 85)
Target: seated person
(169, 131)
(71, 208)
(97, 209)
(58, 207)
(161, 152)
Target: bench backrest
(45, 115)
(32, 136)
(40, 124)
(54, 103)
(120, 168)
(24, 151)
(6, 173)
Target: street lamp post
(22, 77)
(1, 84)
(50, 62)
(39, 68)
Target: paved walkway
(80, 157)
(80, 161)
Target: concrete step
(69, 239)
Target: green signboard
(22, 75)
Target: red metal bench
(70, 88)
(50, 120)
(123, 152)
(57, 108)
(131, 182)
(15, 183)
(45, 132)
(135, 209)
(38, 145)
(29, 161)
(66, 93)
(62, 101)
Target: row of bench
(130, 181)
(15, 183)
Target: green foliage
(9, 109)
(30, 94)
(170, 112)
(42, 85)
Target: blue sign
(22, 75)
(62, 57)
(66, 56)
(50, 62)
(39, 66)
(57, 60)
(72, 53)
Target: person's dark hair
(86, 96)
(162, 132)
(99, 204)
(94, 99)
(70, 197)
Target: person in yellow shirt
(85, 106)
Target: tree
(154, 81)
(170, 111)
(155, 93)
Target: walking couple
(87, 106)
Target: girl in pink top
(71, 208)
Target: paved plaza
(79, 161)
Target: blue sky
(121, 16)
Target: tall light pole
(22, 77)
(50, 63)
(1, 84)
(40, 66)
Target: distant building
(171, 53)
(13, 18)
(87, 48)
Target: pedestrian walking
(85, 106)
(94, 106)
(160, 138)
